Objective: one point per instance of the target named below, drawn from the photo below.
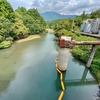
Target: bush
(76, 28)
(78, 34)
(95, 65)
(9, 39)
(98, 75)
(1, 38)
(5, 44)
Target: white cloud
(60, 6)
(24, 3)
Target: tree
(38, 20)
(78, 21)
(95, 14)
(6, 10)
(32, 20)
(19, 28)
(21, 10)
(29, 23)
(83, 16)
(5, 27)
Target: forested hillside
(49, 16)
(18, 24)
(80, 52)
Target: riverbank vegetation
(80, 52)
(18, 24)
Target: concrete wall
(91, 26)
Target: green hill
(49, 16)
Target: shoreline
(31, 37)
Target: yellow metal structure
(61, 79)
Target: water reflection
(98, 94)
(57, 83)
(78, 61)
(75, 82)
(78, 81)
(81, 75)
(82, 81)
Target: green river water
(27, 72)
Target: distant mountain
(49, 16)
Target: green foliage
(18, 24)
(59, 33)
(97, 54)
(19, 28)
(6, 24)
(9, 39)
(21, 10)
(61, 24)
(76, 27)
(81, 52)
(96, 61)
(32, 20)
(78, 21)
(83, 16)
(39, 23)
(98, 76)
(1, 38)
(78, 34)
(5, 27)
(95, 14)
(6, 10)
(5, 44)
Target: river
(27, 72)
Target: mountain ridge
(49, 16)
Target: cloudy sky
(60, 6)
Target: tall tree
(6, 10)
(32, 20)
(21, 10)
(19, 28)
(5, 27)
(83, 15)
(95, 14)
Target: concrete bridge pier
(63, 59)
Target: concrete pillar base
(63, 59)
